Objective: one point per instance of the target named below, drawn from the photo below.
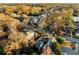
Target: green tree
(1, 50)
(60, 40)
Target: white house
(76, 19)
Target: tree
(1, 50)
(60, 40)
(56, 48)
(58, 20)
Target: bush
(54, 46)
(37, 35)
(55, 49)
(60, 40)
(1, 50)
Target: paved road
(74, 40)
(69, 51)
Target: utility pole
(71, 34)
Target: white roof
(76, 19)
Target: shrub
(60, 40)
(55, 48)
(1, 50)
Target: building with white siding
(76, 19)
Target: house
(76, 19)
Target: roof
(76, 19)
